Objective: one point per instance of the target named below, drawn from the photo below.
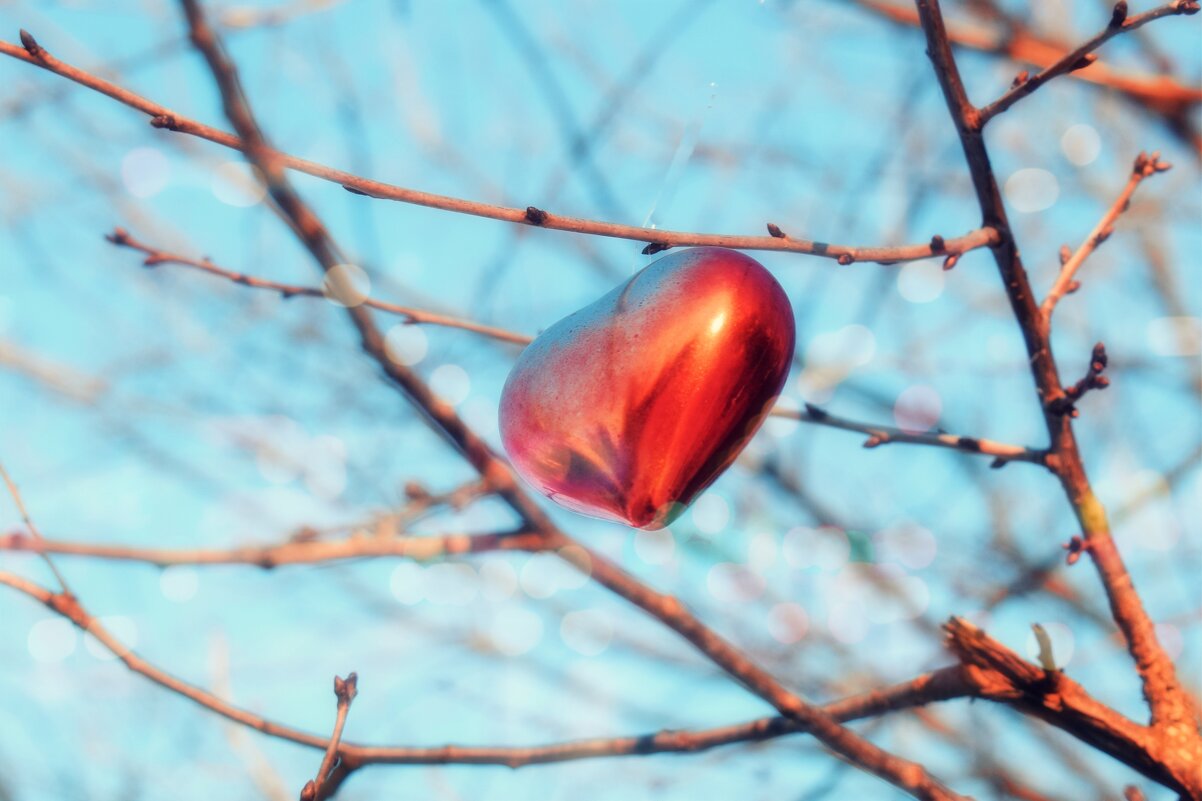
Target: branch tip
(1119, 15)
(31, 45)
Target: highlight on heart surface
(629, 408)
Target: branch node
(938, 245)
(1083, 62)
(1074, 548)
(535, 216)
(816, 412)
(355, 191)
(655, 247)
(346, 689)
(951, 261)
(1119, 15)
(167, 121)
(1020, 79)
(31, 45)
(846, 259)
(775, 231)
(309, 792)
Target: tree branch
(296, 552)
(1145, 166)
(320, 788)
(940, 685)
(163, 117)
(1082, 56)
(883, 435)
(154, 257)
(1171, 712)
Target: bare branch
(163, 117)
(1171, 710)
(1145, 166)
(883, 435)
(1082, 56)
(318, 789)
(419, 549)
(15, 494)
(155, 257)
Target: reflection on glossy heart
(629, 408)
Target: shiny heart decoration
(630, 407)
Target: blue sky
(160, 407)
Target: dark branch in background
(1176, 729)
(163, 117)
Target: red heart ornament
(629, 408)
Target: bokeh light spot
(921, 281)
(788, 622)
(1081, 144)
(145, 172)
(408, 583)
(406, 344)
(236, 183)
(51, 640)
(499, 579)
(654, 547)
(728, 582)
(587, 632)
(1032, 189)
(827, 547)
(346, 285)
(179, 583)
(1175, 336)
(910, 545)
(710, 513)
(516, 631)
(917, 409)
(451, 383)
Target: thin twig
(163, 117)
(15, 494)
(1145, 166)
(1160, 95)
(155, 257)
(883, 435)
(941, 685)
(419, 549)
(345, 691)
(1081, 56)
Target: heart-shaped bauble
(627, 409)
